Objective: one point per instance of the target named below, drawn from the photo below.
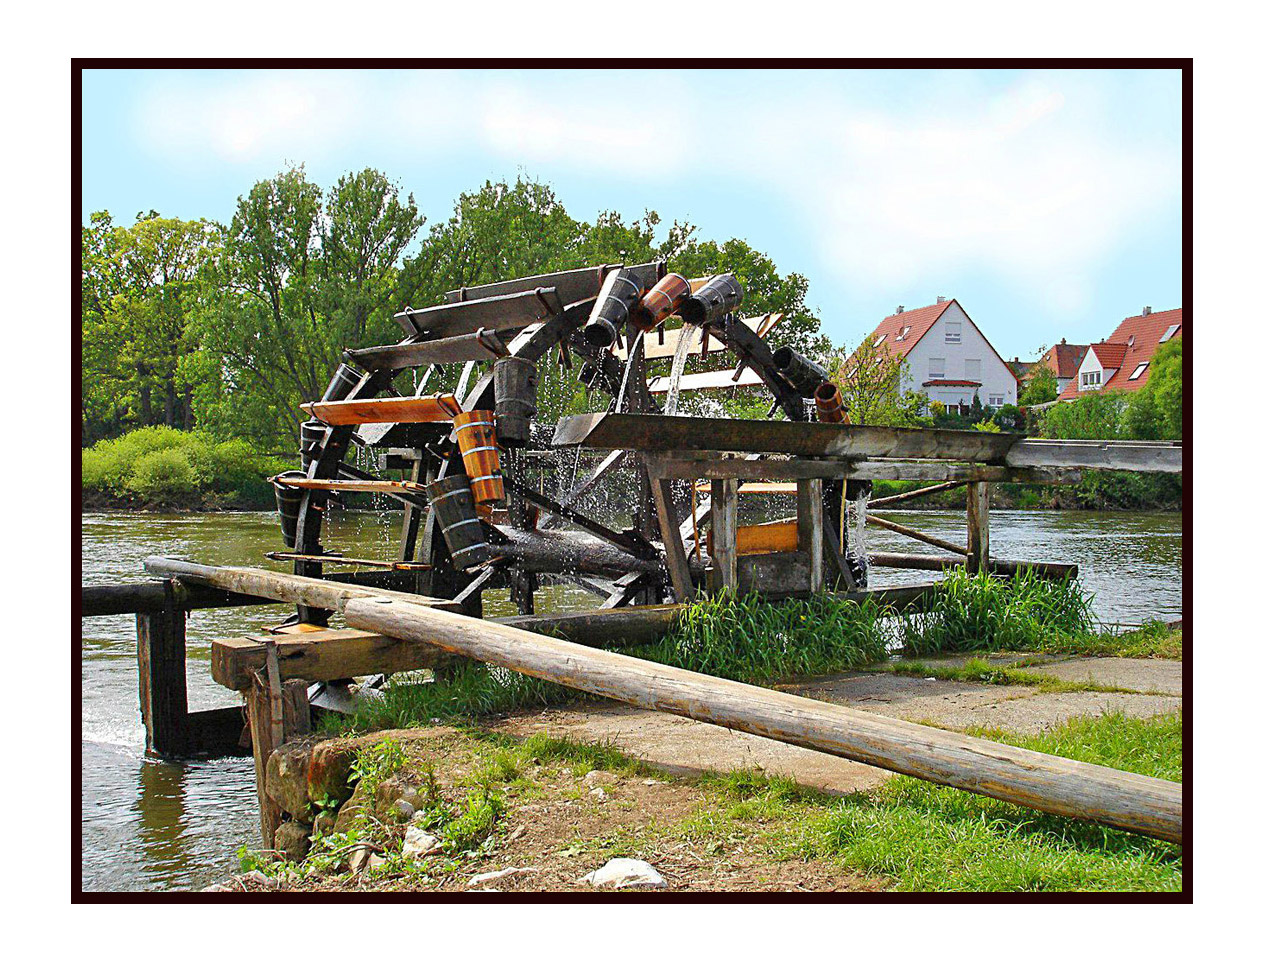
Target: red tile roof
(1063, 359)
(918, 321)
(1132, 344)
(952, 383)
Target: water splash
(687, 333)
(632, 353)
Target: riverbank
(548, 802)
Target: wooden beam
(913, 494)
(1041, 781)
(318, 655)
(811, 529)
(277, 712)
(511, 311)
(900, 529)
(685, 467)
(1007, 568)
(353, 486)
(570, 285)
(658, 433)
(479, 345)
(672, 544)
(439, 408)
(160, 662)
(1139, 456)
(723, 541)
(671, 339)
(978, 526)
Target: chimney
(1063, 339)
(899, 309)
(941, 300)
(1146, 311)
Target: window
(1139, 371)
(879, 341)
(903, 334)
(952, 334)
(995, 400)
(1169, 334)
(937, 368)
(1090, 379)
(973, 369)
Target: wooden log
(479, 345)
(913, 494)
(658, 433)
(112, 599)
(685, 467)
(1006, 568)
(1052, 784)
(556, 551)
(439, 408)
(160, 661)
(978, 526)
(811, 529)
(570, 285)
(327, 594)
(723, 525)
(900, 529)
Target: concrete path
(688, 748)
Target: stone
(220, 888)
(361, 858)
(329, 771)
(598, 794)
(600, 778)
(325, 823)
(624, 873)
(403, 809)
(287, 779)
(418, 843)
(499, 874)
(261, 878)
(293, 840)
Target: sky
(1047, 202)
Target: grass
(1153, 640)
(978, 670)
(923, 837)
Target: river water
(149, 825)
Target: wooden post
(723, 523)
(673, 546)
(164, 699)
(978, 520)
(412, 516)
(268, 731)
(811, 528)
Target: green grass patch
(978, 670)
(1153, 640)
(923, 837)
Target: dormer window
(1169, 334)
(1139, 371)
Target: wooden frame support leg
(164, 698)
(277, 712)
(723, 522)
(669, 521)
(811, 529)
(978, 521)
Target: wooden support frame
(911, 534)
(978, 524)
(723, 524)
(160, 661)
(685, 466)
(672, 544)
(811, 529)
(278, 711)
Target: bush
(162, 476)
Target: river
(149, 825)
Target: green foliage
(378, 762)
(1156, 410)
(161, 466)
(1009, 417)
(1094, 416)
(1041, 388)
(988, 426)
(872, 380)
(969, 612)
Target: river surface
(150, 825)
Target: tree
(1156, 411)
(1094, 416)
(295, 280)
(872, 382)
(1041, 388)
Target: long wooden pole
(912, 494)
(900, 529)
(1053, 784)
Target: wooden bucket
(311, 436)
(476, 436)
(829, 408)
(289, 500)
(515, 383)
(662, 300)
(619, 294)
(804, 375)
(453, 506)
(345, 379)
(719, 296)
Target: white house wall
(993, 373)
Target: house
(1062, 359)
(1122, 361)
(946, 356)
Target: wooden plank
(777, 536)
(1042, 781)
(353, 486)
(715, 380)
(570, 285)
(262, 709)
(918, 561)
(511, 311)
(913, 494)
(327, 594)
(160, 662)
(723, 541)
(665, 434)
(978, 526)
(1138, 456)
(686, 467)
(436, 409)
(811, 529)
(673, 546)
(671, 339)
(900, 529)
(479, 345)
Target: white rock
(653, 783)
(499, 874)
(258, 876)
(358, 860)
(418, 843)
(598, 794)
(624, 873)
(220, 888)
(598, 778)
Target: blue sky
(1048, 203)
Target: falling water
(859, 516)
(627, 369)
(687, 333)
